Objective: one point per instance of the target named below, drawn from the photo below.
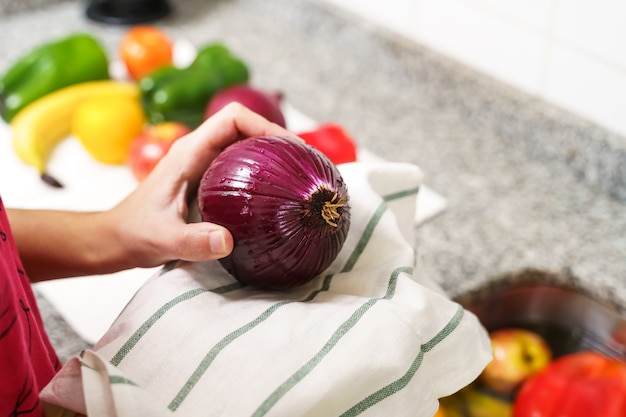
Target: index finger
(234, 122)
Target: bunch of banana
(41, 125)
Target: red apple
(517, 354)
(152, 144)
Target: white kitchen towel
(370, 336)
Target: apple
(152, 144)
(517, 354)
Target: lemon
(106, 127)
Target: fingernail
(217, 242)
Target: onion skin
(286, 206)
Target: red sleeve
(27, 359)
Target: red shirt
(27, 359)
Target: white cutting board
(91, 304)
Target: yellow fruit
(441, 412)
(107, 126)
(474, 401)
(44, 123)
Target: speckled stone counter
(9, 7)
(528, 185)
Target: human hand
(151, 223)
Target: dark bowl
(568, 318)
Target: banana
(43, 124)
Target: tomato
(584, 384)
(333, 141)
(152, 144)
(144, 49)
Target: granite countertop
(529, 186)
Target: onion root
(329, 210)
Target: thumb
(203, 242)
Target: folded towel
(370, 336)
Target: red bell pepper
(333, 141)
(583, 384)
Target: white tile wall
(569, 52)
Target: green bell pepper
(49, 67)
(182, 94)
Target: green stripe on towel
(401, 194)
(403, 381)
(114, 379)
(143, 329)
(304, 370)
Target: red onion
(261, 102)
(286, 206)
